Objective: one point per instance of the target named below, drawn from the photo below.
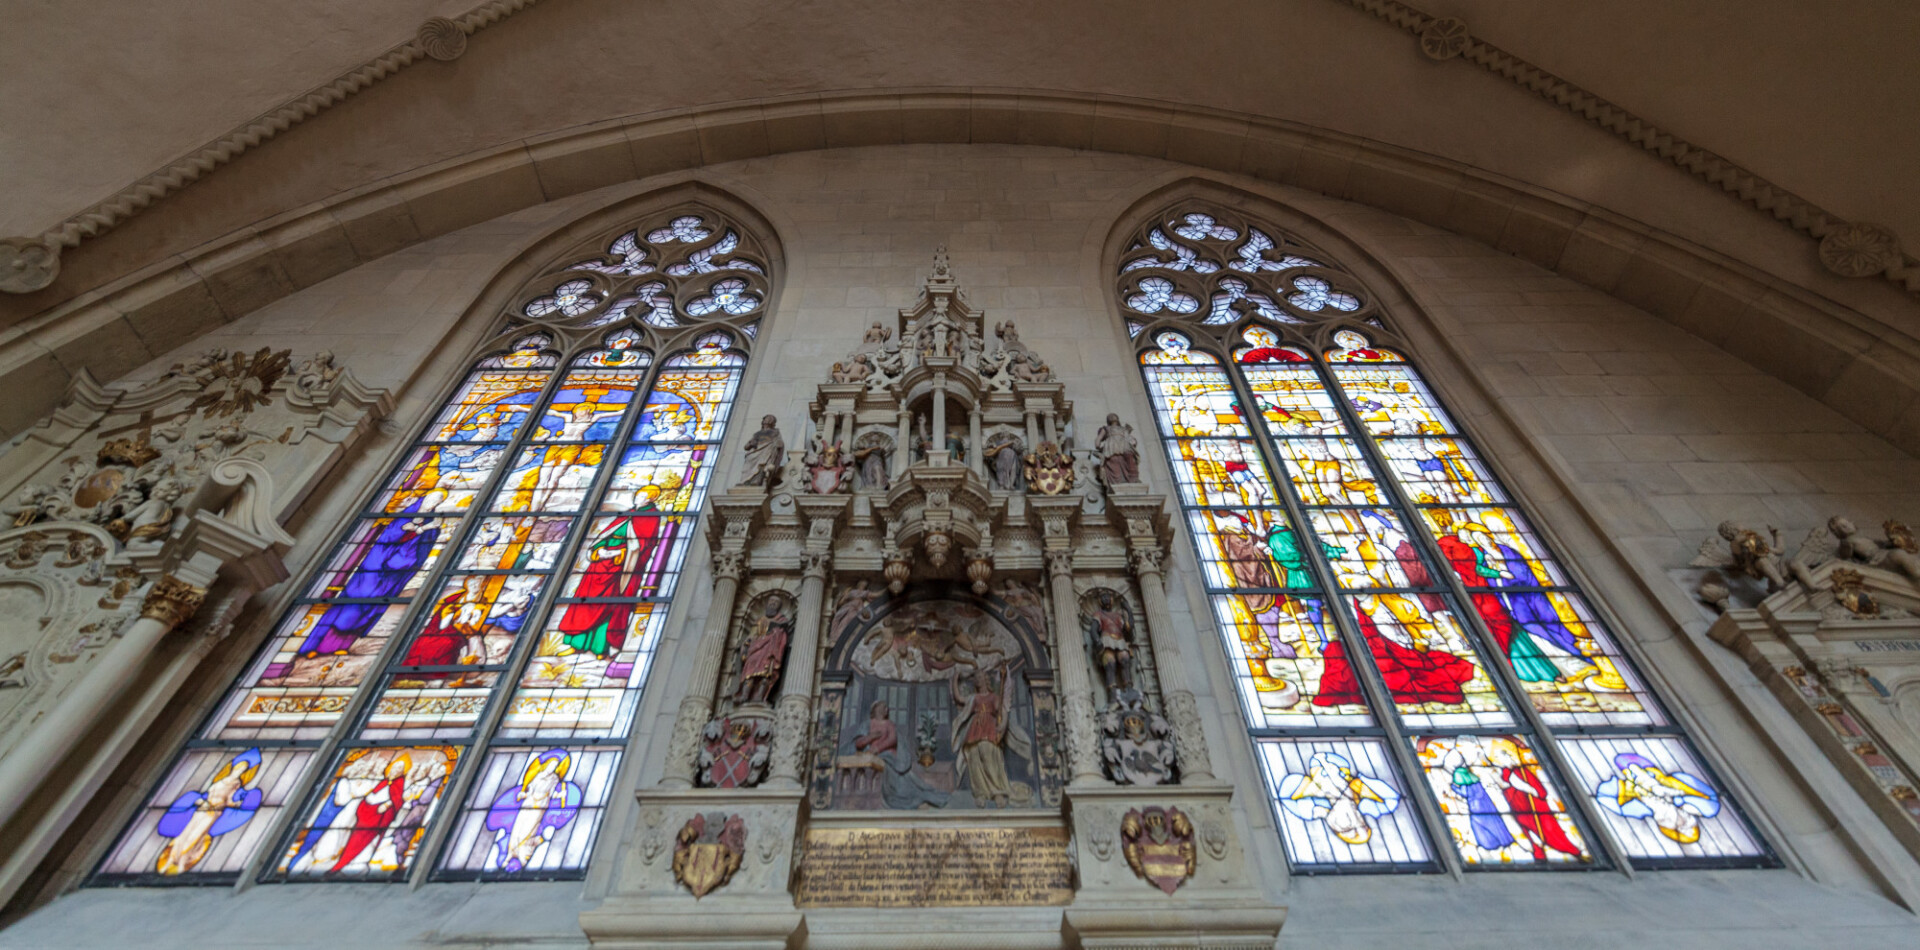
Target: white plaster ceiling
(1819, 97)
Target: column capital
(1059, 563)
(729, 564)
(1147, 561)
(815, 563)
(172, 601)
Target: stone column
(902, 444)
(1182, 713)
(973, 440)
(939, 416)
(1074, 669)
(683, 749)
(168, 604)
(793, 716)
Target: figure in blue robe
(196, 818)
(1532, 610)
(385, 565)
(1483, 816)
(527, 815)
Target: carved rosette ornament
(441, 39)
(1443, 38)
(172, 601)
(27, 264)
(1860, 250)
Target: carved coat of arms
(1136, 743)
(1158, 843)
(708, 850)
(1048, 471)
(735, 753)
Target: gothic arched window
(1423, 678)
(452, 690)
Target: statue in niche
(827, 469)
(922, 437)
(937, 710)
(1119, 452)
(956, 446)
(735, 752)
(765, 451)
(1111, 630)
(1003, 455)
(1746, 551)
(1049, 472)
(1136, 743)
(872, 457)
(765, 652)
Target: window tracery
(452, 691)
(1398, 729)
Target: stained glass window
(1425, 683)
(452, 691)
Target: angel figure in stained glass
(1331, 791)
(196, 818)
(1673, 801)
(379, 570)
(526, 816)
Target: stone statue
(764, 653)
(1003, 456)
(922, 438)
(1119, 452)
(1031, 369)
(871, 462)
(1901, 550)
(956, 446)
(854, 370)
(1048, 472)
(1747, 552)
(316, 374)
(1111, 630)
(764, 453)
(1136, 743)
(875, 338)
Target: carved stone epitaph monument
(947, 622)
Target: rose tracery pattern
(1173, 265)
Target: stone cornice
(28, 264)
(1850, 249)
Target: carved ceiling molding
(1847, 248)
(28, 264)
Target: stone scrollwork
(1188, 734)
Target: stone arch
(111, 301)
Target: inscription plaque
(934, 867)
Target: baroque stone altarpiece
(127, 510)
(939, 670)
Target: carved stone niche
(1840, 649)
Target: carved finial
(940, 268)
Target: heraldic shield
(1159, 846)
(708, 850)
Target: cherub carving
(1748, 552)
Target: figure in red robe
(375, 812)
(614, 569)
(1526, 794)
(1413, 676)
(455, 619)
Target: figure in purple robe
(382, 570)
(1531, 609)
(528, 815)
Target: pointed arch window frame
(534, 315)
(1195, 271)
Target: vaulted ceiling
(1818, 97)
